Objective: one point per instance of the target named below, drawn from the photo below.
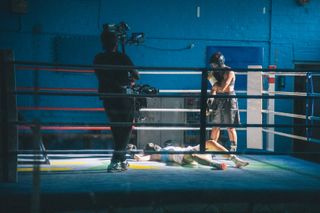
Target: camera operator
(118, 109)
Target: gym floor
(268, 184)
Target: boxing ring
(71, 180)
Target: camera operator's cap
(108, 39)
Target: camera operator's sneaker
(238, 162)
(117, 166)
(124, 165)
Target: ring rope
(166, 124)
(292, 136)
(169, 73)
(30, 63)
(179, 128)
(95, 90)
(61, 128)
(105, 151)
(24, 127)
(284, 73)
(316, 118)
(175, 110)
(178, 73)
(285, 134)
(40, 91)
(61, 109)
(102, 109)
(22, 68)
(191, 91)
(159, 110)
(282, 96)
(25, 68)
(56, 89)
(23, 154)
(284, 114)
(285, 93)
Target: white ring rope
(169, 73)
(292, 136)
(285, 134)
(237, 73)
(30, 159)
(284, 114)
(191, 91)
(179, 128)
(286, 93)
(179, 91)
(178, 73)
(284, 73)
(174, 110)
(290, 115)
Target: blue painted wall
(67, 32)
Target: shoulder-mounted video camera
(121, 30)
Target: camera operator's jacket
(113, 81)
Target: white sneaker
(238, 162)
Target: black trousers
(120, 110)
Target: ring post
(8, 131)
(309, 104)
(254, 108)
(203, 103)
(271, 108)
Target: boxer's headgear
(108, 39)
(217, 58)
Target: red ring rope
(52, 69)
(57, 89)
(68, 128)
(60, 109)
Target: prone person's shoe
(238, 162)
